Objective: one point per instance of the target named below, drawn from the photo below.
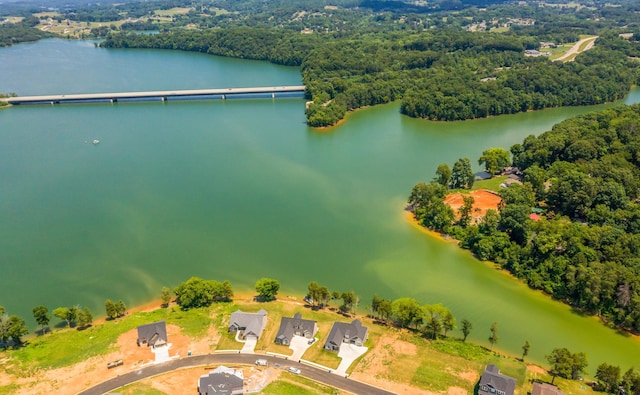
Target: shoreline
(408, 216)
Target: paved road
(312, 373)
(576, 47)
(151, 94)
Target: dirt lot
(483, 201)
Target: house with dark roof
(222, 380)
(545, 389)
(295, 326)
(342, 332)
(493, 382)
(482, 175)
(249, 324)
(152, 335)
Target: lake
(242, 189)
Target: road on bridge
(313, 373)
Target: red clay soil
(483, 201)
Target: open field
(492, 184)
(173, 11)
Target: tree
(466, 328)
(267, 288)
(565, 364)
(385, 309)
(85, 317)
(4, 329)
(196, 292)
(448, 322)
(493, 339)
(61, 313)
(16, 329)
(609, 375)
(41, 314)
(525, 349)
(461, 175)
(406, 311)
(120, 308)
(72, 315)
(348, 301)
(110, 308)
(495, 160)
(165, 296)
(318, 294)
(443, 173)
(465, 211)
(631, 381)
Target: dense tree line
(441, 75)
(196, 292)
(584, 175)
(14, 33)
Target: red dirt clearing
(483, 201)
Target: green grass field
(492, 184)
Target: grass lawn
(140, 389)
(8, 389)
(173, 11)
(297, 385)
(68, 346)
(492, 184)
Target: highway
(164, 95)
(310, 372)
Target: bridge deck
(152, 94)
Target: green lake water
(242, 189)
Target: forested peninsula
(443, 75)
(582, 179)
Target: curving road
(310, 372)
(574, 50)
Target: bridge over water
(219, 93)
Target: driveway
(299, 345)
(249, 345)
(348, 353)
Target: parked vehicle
(261, 362)
(113, 364)
(293, 370)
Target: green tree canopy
(461, 175)
(495, 160)
(267, 288)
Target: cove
(242, 189)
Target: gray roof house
(493, 382)
(221, 380)
(295, 326)
(341, 332)
(154, 334)
(545, 389)
(251, 324)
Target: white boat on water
(96, 142)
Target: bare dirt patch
(469, 375)
(536, 369)
(73, 379)
(483, 201)
(457, 391)
(373, 368)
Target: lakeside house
(493, 382)
(221, 380)
(152, 335)
(342, 332)
(295, 326)
(249, 324)
(545, 389)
